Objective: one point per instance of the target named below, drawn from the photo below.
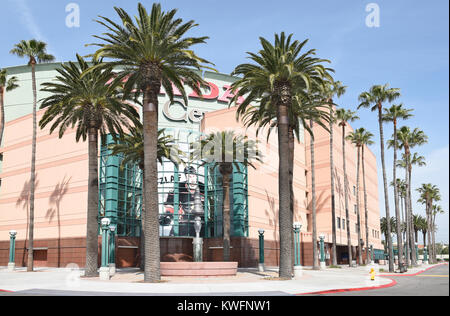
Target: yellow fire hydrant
(372, 274)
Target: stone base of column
(11, 266)
(104, 273)
(298, 271)
(323, 265)
(261, 267)
(425, 262)
(112, 269)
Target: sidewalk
(246, 282)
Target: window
(356, 227)
(354, 190)
(355, 207)
(339, 223)
(343, 224)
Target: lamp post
(104, 269)
(112, 250)
(261, 250)
(322, 251)
(425, 255)
(12, 250)
(371, 254)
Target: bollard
(104, 269)
(12, 250)
(261, 250)
(322, 252)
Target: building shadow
(55, 203)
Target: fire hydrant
(372, 274)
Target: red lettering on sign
(226, 97)
(213, 93)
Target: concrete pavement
(51, 281)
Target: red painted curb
(353, 289)
(5, 291)
(413, 274)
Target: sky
(402, 43)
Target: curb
(414, 274)
(393, 282)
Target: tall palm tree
(408, 139)
(423, 224)
(6, 85)
(374, 99)
(152, 50)
(90, 104)
(36, 52)
(343, 117)
(393, 114)
(417, 219)
(279, 82)
(361, 138)
(225, 150)
(331, 90)
(429, 193)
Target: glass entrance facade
(120, 194)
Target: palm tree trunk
(434, 239)
(313, 204)
(152, 271)
(429, 208)
(386, 194)
(366, 211)
(285, 216)
(30, 261)
(291, 181)
(347, 218)
(2, 115)
(333, 198)
(226, 216)
(409, 210)
(397, 209)
(407, 217)
(92, 207)
(358, 218)
(142, 239)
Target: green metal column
(105, 235)
(322, 249)
(12, 245)
(297, 261)
(261, 246)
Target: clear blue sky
(409, 50)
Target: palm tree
(437, 209)
(279, 83)
(429, 193)
(393, 114)
(361, 138)
(423, 224)
(92, 105)
(225, 150)
(343, 116)
(417, 219)
(151, 51)
(36, 52)
(333, 89)
(408, 139)
(374, 99)
(5, 85)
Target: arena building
(62, 185)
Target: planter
(202, 269)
